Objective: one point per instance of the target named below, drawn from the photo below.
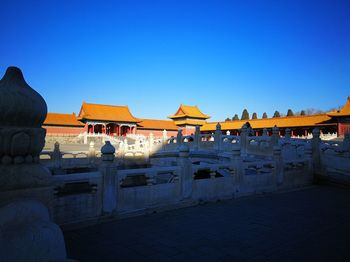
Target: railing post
(57, 155)
(197, 138)
(287, 134)
(279, 174)
(308, 156)
(316, 156)
(179, 138)
(275, 136)
(110, 190)
(164, 137)
(236, 165)
(243, 140)
(186, 172)
(217, 137)
(92, 153)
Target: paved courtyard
(308, 225)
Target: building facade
(119, 121)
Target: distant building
(119, 121)
(331, 122)
(188, 117)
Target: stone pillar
(265, 133)
(237, 166)
(186, 173)
(22, 138)
(243, 140)
(308, 157)
(26, 192)
(279, 174)
(275, 136)
(109, 203)
(179, 138)
(316, 154)
(164, 137)
(218, 137)
(92, 153)
(56, 155)
(287, 134)
(197, 137)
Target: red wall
(342, 128)
(51, 130)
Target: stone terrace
(308, 225)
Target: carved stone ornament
(22, 113)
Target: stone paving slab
(307, 225)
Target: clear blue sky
(223, 56)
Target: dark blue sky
(223, 56)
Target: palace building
(119, 121)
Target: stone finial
(264, 133)
(22, 112)
(20, 105)
(275, 130)
(107, 151)
(287, 134)
(316, 133)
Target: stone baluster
(316, 154)
(243, 140)
(237, 167)
(279, 174)
(186, 172)
(57, 156)
(275, 136)
(164, 137)
(179, 138)
(126, 145)
(197, 137)
(92, 153)
(287, 135)
(108, 171)
(26, 186)
(308, 157)
(218, 137)
(264, 133)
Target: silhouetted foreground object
(26, 233)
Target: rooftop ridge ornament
(20, 105)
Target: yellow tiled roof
(284, 122)
(345, 111)
(157, 124)
(56, 119)
(189, 111)
(106, 113)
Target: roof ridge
(105, 105)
